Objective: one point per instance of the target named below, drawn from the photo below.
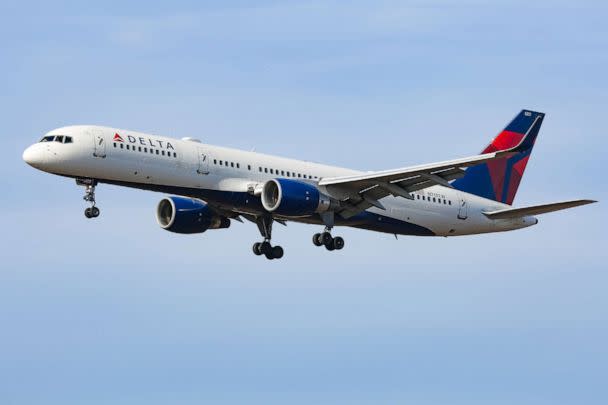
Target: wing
(535, 209)
(363, 191)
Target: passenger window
(248, 167)
(214, 161)
(146, 150)
(287, 174)
(114, 144)
(157, 151)
(139, 148)
(299, 174)
(174, 154)
(128, 147)
(163, 153)
(265, 170)
(282, 172)
(260, 169)
(238, 166)
(231, 164)
(151, 150)
(122, 145)
(450, 202)
(221, 163)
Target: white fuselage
(227, 176)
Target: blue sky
(118, 311)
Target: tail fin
(499, 179)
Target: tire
(316, 239)
(256, 249)
(338, 243)
(95, 212)
(266, 248)
(326, 238)
(269, 255)
(330, 247)
(277, 252)
(88, 213)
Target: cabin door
(463, 207)
(99, 144)
(203, 161)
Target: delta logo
(154, 143)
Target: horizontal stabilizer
(535, 209)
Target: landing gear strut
(89, 196)
(265, 248)
(325, 239)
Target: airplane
(212, 185)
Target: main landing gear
(89, 196)
(265, 248)
(325, 239)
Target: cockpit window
(57, 138)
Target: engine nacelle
(293, 198)
(188, 215)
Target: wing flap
(535, 209)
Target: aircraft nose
(33, 156)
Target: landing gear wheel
(256, 248)
(266, 248)
(325, 239)
(94, 212)
(277, 252)
(264, 224)
(88, 213)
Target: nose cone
(34, 156)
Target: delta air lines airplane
(212, 185)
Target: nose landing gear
(89, 196)
(325, 239)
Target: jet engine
(188, 215)
(293, 198)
